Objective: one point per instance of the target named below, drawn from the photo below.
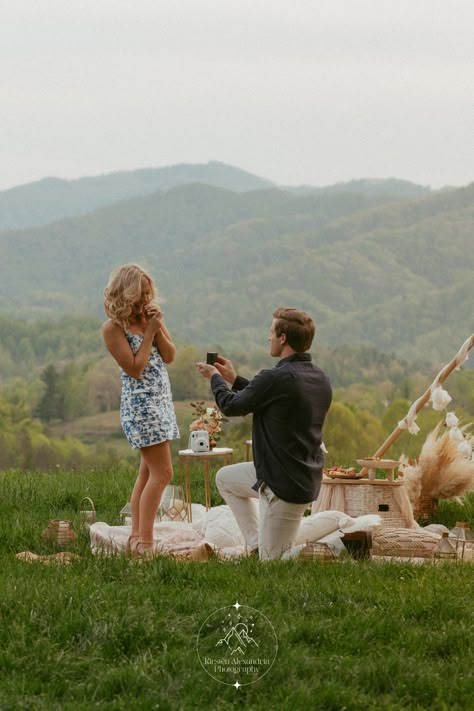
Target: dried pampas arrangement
(442, 470)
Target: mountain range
(52, 199)
(384, 263)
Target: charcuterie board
(341, 473)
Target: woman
(137, 337)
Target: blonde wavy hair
(124, 291)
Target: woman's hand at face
(154, 317)
(151, 309)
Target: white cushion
(222, 530)
(318, 525)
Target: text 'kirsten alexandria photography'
(237, 645)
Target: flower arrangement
(207, 418)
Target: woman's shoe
(131, 545)
(145, 550)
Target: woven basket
(425, 508)
(88, 515)
(59, 532)
(370, 499)
(316, 551)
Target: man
(289, 402)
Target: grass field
(114, 634)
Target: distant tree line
(61, 372)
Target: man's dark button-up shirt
(289, 403)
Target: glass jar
(444, 549)
(459, 535)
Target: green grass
(111, 634)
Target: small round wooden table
(185, 456)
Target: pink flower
(208, 419)
(197, 425)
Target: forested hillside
(392, 273)
(60, 393)
(382, 186)
(27, 348)
(52, 199)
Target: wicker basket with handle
(87, 515)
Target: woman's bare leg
(140, 483)
(157, 460)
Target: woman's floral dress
(146, 407)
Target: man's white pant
(267, 522)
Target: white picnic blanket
(217, 529)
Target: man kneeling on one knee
(289, 402)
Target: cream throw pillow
(222, 530)
(318, 525)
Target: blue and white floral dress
(146, 407)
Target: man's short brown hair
(297, 325)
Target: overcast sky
(297, 91)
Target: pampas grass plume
(441, 472)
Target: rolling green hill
(374, 186)
(52, 199)
(375, 269)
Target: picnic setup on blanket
(374, 512)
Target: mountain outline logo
(240, 632)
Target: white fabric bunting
(440, 398)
